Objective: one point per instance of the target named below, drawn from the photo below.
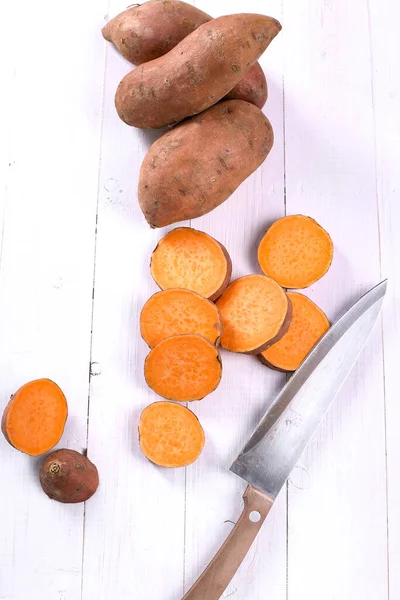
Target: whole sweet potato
(150, 30)
(195, 74)
(197, 165)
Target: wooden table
(74, 274)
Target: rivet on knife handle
(215, 579)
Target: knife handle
(215, 579)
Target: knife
(283, 433)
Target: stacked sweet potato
(199, 76)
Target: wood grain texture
(52, 129)
(334, 86)
(385, 53)
(134, 528)
(337, 496)
(213, 494)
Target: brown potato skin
(266, 363)
(226, 281)
(195, 74)
(251, 88)
(4, 419)
(150, 30)
(68, 477)
(196, 166)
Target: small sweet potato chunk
(69, 477)
(170, 435)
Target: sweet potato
(308, 325)
(193, 260)
(252, 87)
(183, 368)
(255, 312)
(176, 312)
(196, 166)
(295, 251)
(170, 435)
(34, 419)
(194, 75)
(150, 30)
(69, 477)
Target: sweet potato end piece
(68, 477)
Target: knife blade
(274, 448)
(282, 435)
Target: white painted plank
(213, 496)
(52, 144)
(134, 533)
(337, 503)
(384, 16)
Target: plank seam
(285, 213)
(94, 284)
(381, 317)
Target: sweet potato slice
(69, 477)
(183, 368)
(176, 312)
(255, 313)
(170, 435)
(295, 251)
(309, 323)
(193, 260)
(34, 419)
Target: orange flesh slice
(170, 435)
(309, 323)
(35, 417)
(254, 311)
(190, 259)
(295, 252)
(183, 368)
(176, 312)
